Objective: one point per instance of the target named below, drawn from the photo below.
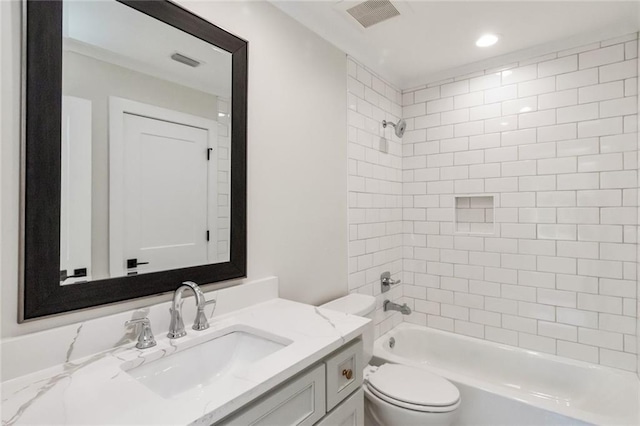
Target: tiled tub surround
(375, 189)
(554, 139)
(92, 388)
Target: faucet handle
(145, 338)
(201, 322)
(386, 281)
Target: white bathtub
(575, 389)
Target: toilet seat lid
(414, 386)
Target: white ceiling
(429, 38)
(115, 33)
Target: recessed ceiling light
(487, 40)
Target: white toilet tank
(361, 305)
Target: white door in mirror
(75, 201)
(165, 181)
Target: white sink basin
(205, 363)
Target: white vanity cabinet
(328, 393)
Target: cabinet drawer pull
(347, 373)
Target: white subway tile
(454, 144)
(537, 183)
(552, 166)
(617, 107)
(517, 75)
(578, 113)
(579, 181)
(577, 147)
(556, 199)
(518, 106)
(617, 323)
(468, 157)
(452, 89)
(601, 233)
(439, 105)
(558, 331)
(619, 143)
(503, 185)
(519, 324)
(484, 170)
(600, 198)
(558, 66)
(557, 133)
(427, 94)
(595, 58)
(618, 359)
(578, 283)
(618, 71)
(468, 100)
(485, 82)
(603, 339)
(519, 168)
(501, 124)
(593, 302)
(577, 79)
(558, 99)
(491, 140)
(536, 151)
(456, 116)
(600, 163)
(469, 129)
(561, 265)
(578, 351)
(501, 94)
(619, 288)
(537, 215)
(581, 249)
(536, 87)
(607, 126)
(519, 137)
(601, 92)
(619, 216)
(579, 317)
(556, 232)
(537, 311)
(485, 111)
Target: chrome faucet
(388, 305)
(176, 327)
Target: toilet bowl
(399, 394)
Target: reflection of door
(75, 205)
(165, 194)
(160, 178)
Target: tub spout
(388, 305)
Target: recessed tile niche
(474, 214)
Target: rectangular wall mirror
(135, 153)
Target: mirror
(135, 146)
(145, 145)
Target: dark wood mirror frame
(41, 292)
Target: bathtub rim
(381, 355)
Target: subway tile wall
(554, 140)
(375, 189)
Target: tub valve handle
(386, 281)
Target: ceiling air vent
(372, 12)
(178, 57)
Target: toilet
(399, 394)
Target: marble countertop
(96, 389)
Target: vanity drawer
(344, 373)
(300, 401)
(348, 413)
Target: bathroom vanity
(273, 361)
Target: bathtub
(564, 391)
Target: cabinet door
(344, 373)
(349, 413)
(300, 402)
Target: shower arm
(386, 123)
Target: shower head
(399, 127)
